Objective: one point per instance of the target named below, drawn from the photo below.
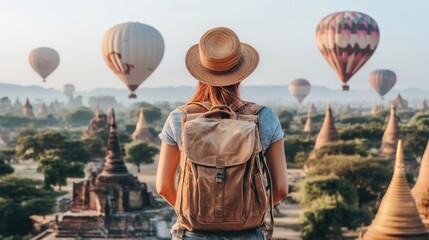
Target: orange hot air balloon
(132, 51)
(347, 40)
(44, 61)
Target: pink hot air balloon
(382, 81)
(347, 40)
(44, 61)
(299, 88)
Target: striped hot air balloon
(299, 88)
(347, 40)
(132, 51)
(382, 81)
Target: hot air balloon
(44, 61)
(68, 90)
(299, 88)
(347, 40)
(132, 51)
(382, 81)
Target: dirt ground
(287, 224)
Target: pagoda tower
(391, 135)
(328, 133)
(114, 177)
(399, 102)
(420, 190)
(27, 110)
(308, 127)
(397, 216)
(312, 109)
(142, 132)
(42, 112)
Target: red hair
(226, 95)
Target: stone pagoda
(112, 204)
(42, 112)
(399, 102)
(328, 133)
(142, 132)
(420, 190)
(27, 110)
(391, 135)
(397, 217)
(308, 127)
(99, 122)
(376, 108)
(17, 106)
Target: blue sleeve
(171, 132)
(271, 129)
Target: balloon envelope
(382, 81)
(347, 40)
(299, 88)
(68, 89)
(44, 61)
(132, 51)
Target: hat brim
(248, 63)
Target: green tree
(342, 148)
(8, 153)
(361, 120)
(95, 146)
(296, 144)
(369, 176)
(327, 215)
(4, 168)
(372, 132)
(33, 147)
(140, 153)
(285, 118)
(79, 117)
(67, 161)
(21, 198)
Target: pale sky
(282, 31)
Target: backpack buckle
(220, 174)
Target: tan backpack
(224, 183)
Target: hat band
(231, 70)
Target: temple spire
(142, 132)
(309, 123)
(328, 133)
(420, 190)
(397, 216)
(114, 163)
(391, 135)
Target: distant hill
(275, 95)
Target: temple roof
(312, 109)
(397, 216)
(391, 135)
(27, 104)
(142, 132)
(420, 190)
(423, 107)
(114, 163)
(328, 133)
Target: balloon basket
(345, 87)
(44, 80)
(132, 96)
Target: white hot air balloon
(44, 61)
(68, 90)
(299, 88)
(132, 51)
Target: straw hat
(220, 59)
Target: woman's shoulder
(267, 113)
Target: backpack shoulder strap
(250, 108)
